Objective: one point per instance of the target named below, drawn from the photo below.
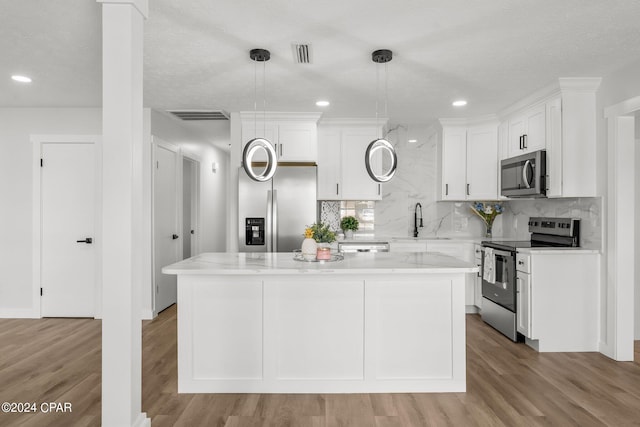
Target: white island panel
(413, 329)
(318, 327)
(227, 329)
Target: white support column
(122, 35)
(620, 239)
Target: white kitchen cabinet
(329, 164)
(293, 142)
(297, 142)
(523, 304)
(571, 144)
(477, 252)
(454, 161)
(342, 173)
(557, 299)
(561, 120)
(482, 162)
(523, 295)
(293, 135)
(527, 131)
(468, 161)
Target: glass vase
(487, 232)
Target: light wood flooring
(58, 360)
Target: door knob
(175, 236)
(88, 240)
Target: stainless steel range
(499, 308)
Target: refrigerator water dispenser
(254, 231)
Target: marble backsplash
(415, 182)
(588, 210)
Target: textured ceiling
(196, 52)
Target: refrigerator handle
(269, 222)
(274, 225)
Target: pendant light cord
(386, 91)
(264, 98)
(255, 99)
(377, 95)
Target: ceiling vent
(301, 53)
(191, 115)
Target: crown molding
(141, 5)
(562, 85)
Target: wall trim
(619, 287)
(623, 108)
(19, 313)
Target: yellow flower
(308, 233)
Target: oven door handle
(501, 253)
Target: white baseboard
(147, 314)
(18, 313)
(142, 421)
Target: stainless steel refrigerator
(273, 214)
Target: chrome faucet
(415, 220)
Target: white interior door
(68, 252)
(165, 213)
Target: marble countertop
(283, 263)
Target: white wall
(213, 185)
(16, 155)
(16, 187)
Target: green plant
(322, 233)
(349, 223)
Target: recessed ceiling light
(459, 103)
(412, 141)
(322, 103)
(21, 79)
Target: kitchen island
(373, 322)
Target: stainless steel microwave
(525, 175)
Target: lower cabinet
(523, 302)
(557, 299)
(477, 252)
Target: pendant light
(259, 144)
(380, 147)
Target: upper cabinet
(294, 135)
(342, 173)
(468, 160)
(527, 131)
(562, 120)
